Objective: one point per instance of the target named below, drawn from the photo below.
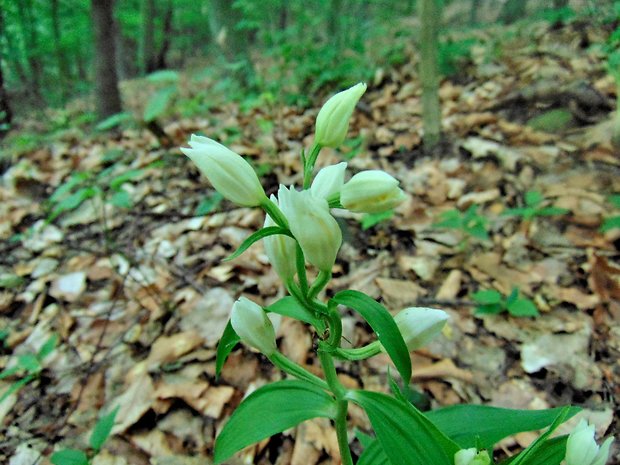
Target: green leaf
(373, 455)
(48, 347)
(528, 456)
(488, 425)
(614, 199)
(102, 430)
(365, 439)
(372, 219)
(113, 121)
(164, 75)
(610, 223)
(479, 231)
(29, 362)
(551, 452)
(269, 410)
(158, 103)
(8, 372)
(491, 309)
(227, 343)
(450, 219)
(208, 204)
(487, 297)
(69, 457)
(522, 307)
(383, 325)
(551, 211)
(16, 386)
(72, 201)
(121, 199)
(255, 237)
(64, 189)
(122, 178)
(533, 198)
(406, 435)
(289, 306)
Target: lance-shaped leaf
(383, 325)
(270, 410)
(488, 425)
(289, 306)
(255, 237)
(406, 435)
(551, 452)
(227, 343)
(373, 455)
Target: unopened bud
(371, 191)
(253, 326)
(332, 122)
(227, 171)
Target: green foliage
(453, 55)
(534, 207)
(28, 367)
(382, 323)
(372, 219)
(470, 223)
(552, 121)
(612, 222)
(269, 410)
(493, 302)
(208, 204)
(98, 437)
(114, 121)
(108, 184)
(406, 435)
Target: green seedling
(98, 437)
(534, 206)
(612, 222)
(470, 223)
(372, 219)
(493, 302)
(108, 184)
(28, 367)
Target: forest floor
(139, 296)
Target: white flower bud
(582, 449)
(228, 172)
(313, 226)
(372, 191)
(280, 250)
(328, 181)
(332, 122)
(472, 457)
(253, 326)
(419, 325)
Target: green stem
(288, 366)
(275, 213)
(309, 165)
(319, 283)
(341, 432)
(300, 262)
(359, 353)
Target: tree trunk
(557, 4)
(30, 38)
(6, 115)
(147, 37)
(473, 12)
(107, 95)
(160, 59)
(223, 19)
(334, 25)
(512, 11)
(61, 57)
(429, 13)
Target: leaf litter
(140, 296)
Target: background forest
(499, 118)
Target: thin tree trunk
(147, 37)
(61, 57)
(107, 95)
(160, 61)
(429, 13)
(30, 37)
(6, 115)
(473, 12)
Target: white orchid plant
(300, 230)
